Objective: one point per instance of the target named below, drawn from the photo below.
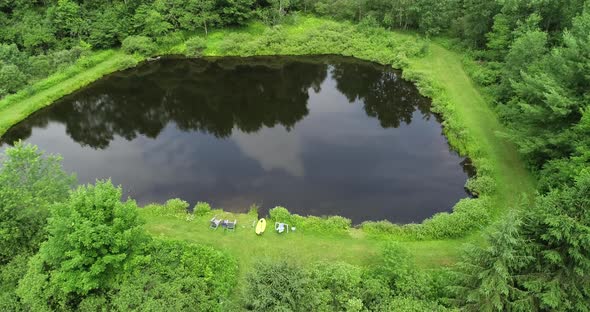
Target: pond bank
(470, 126)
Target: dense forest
(530, 58)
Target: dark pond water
(317, 135)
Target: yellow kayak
(260, 226)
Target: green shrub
(332, 224)
(172, 207)
(139, 44)
(195, 46)
(12, 79)
(176, 205)
(177, 277)
(273, 39)
(235, 44)
(280, 214)
(339, 285)
(253, 210)
(481, 185)
(424, 48)
(126, 62)
(201, 209)
(468, 214)
(39, 66)
(170, 40)
(381, 227)
(279, 286)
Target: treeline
(533, 58)
(38, 38)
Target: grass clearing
(299, 246)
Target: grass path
(512, 178)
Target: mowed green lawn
(353, 247)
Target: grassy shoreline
(16, 107)
(470, 125)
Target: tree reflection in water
(216, 96)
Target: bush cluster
(172, 207)
(374, 44)
(201, 209)
(392, 285)
(331, 224)
(469, 214)
(141, 45)
(19, 69)
(195, 46)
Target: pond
(320, 135)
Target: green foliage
(172, 207)
(499, 39)
(236, 44)
(541, 262)
(476, 21)
(176, 205)
(408, 304)
(548, 92)
(281, 214)
(195, 46)
(97, 256)
(279, 286)
(94, 238)
(332, 224)
(10, 274)
(139, 44)
(178, 277)
(11, 79)
(126, 62)
(65, 19)
(108, 26)
(150, 22)
(29, 183)
(201, 209)
(282, 286)
(558, 229)
(481, 185)
(468, 216)
(398, 271)
(253, 211)
(484, 279)
(17, 69)
(236, 12)
(339, 285)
